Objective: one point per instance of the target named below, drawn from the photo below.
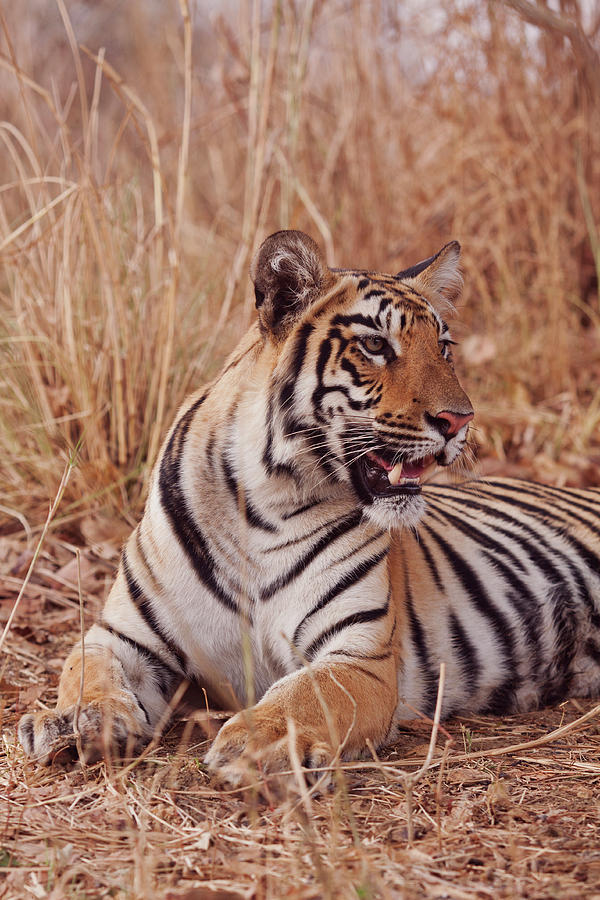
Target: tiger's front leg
(118, 711)
(334, 707)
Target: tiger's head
(363, 391)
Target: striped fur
(270, 540)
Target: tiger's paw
(50, 737)
(255, 743)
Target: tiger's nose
(449, 423)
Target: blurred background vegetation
(147, 147)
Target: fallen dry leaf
(465, 775)
(69, 575)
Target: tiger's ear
(438, 277)
(288, 272)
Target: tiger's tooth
(395, 474)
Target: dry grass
(144, 155)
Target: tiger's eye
(373, 343)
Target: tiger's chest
(274, 590)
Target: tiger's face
(366, 388)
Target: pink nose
(450, 423)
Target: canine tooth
(395, 474)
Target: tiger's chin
(395, 513)
(391, 493)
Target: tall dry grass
(146, 152)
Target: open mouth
(379, 476)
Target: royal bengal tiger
(289, 558)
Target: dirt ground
(487, 820)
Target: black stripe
(417, 635)
(503, 697)
(375, 657)
(293, 428)
(143, 709)
(299, 351)
(340, 528)
(301, 539)
(556, 524)
(354, 552)
(144, 607)
(494, 513)
(175, 505)
(476, 533)
(521, 597)
(593, 650)
(557, 675)
(166, 675)
(383, 305)
(321, 391)
(558, 502)
(431, 563)
(390, 640)
(145, 562)
(588, 495)
(286, 393)
(426, 315)
(348, 580)
(356, 319)
(336, 334)
(467, 654)
(528, 609)
(256, 520)
(566, 629)
(357, 380)
(544, 562)
(209, 452)
(358, 618)
(542, 510)
(230, 481)
(301, 509)
(479, 597)
(317, 442)
(241, 500)
(325, 351)
(566, 501)
(271, 467)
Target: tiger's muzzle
(382, 475)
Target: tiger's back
(502, 583)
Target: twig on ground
(410, 780)
(82, 672)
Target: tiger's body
(281, 529)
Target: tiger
(295, 562)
